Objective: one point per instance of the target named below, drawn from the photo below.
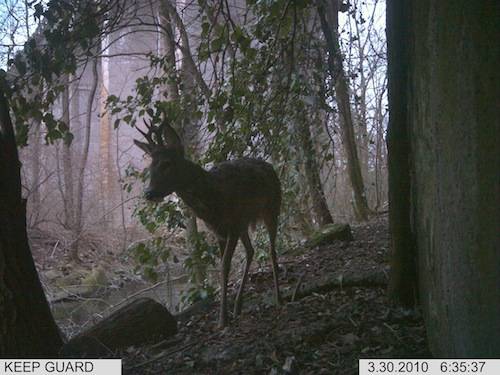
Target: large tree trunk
(27, 328)
(403, 283)
(444, 127)
(328, 13)
(320, 209)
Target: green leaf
(127, 119)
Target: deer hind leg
(272, 227)
(245, 239)
(225, 268)
(222, 246)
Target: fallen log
(327, 284)
(328, 234)
(142, 321)
(196, 308)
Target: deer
(231, 198)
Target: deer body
(234, 195)
(230, 198)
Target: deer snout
(152, 195)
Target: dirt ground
(340, 314)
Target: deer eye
(165, 164)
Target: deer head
(167, 172)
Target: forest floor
(340, 314)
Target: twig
(166, 343)
(54, 249)
(393, 331)
(353, 322)
(299, 282)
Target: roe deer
(229, 198)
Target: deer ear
(143, 146)
(172, 138)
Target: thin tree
(83, 163)
(67, 160)
(328, 14)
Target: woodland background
(235, 78)
(301, 84)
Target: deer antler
(162, 135)
(152, 130)
(170, 135)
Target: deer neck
(198, 193)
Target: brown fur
(235, 195)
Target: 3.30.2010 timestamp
(429, 366)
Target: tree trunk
(311, 169)
(83, 161)
(403, 285)
(67, 162)
(380, 152)
(302, 218)
(106, 165)
(329, 25)
(444, 129)
(361, 103)
(168, 43)
(27, 329)
(34, 197)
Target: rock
(328, 234)
(142, 321)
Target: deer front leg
(225, 268)
(248, 262)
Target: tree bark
(67, 162)
(34, 197)
(27, 329)
(444, 161)
(380, 151)
(311, 168)
(168, 43)
(328, 14)
(106, 165)
(403, 285)
(83, 162)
